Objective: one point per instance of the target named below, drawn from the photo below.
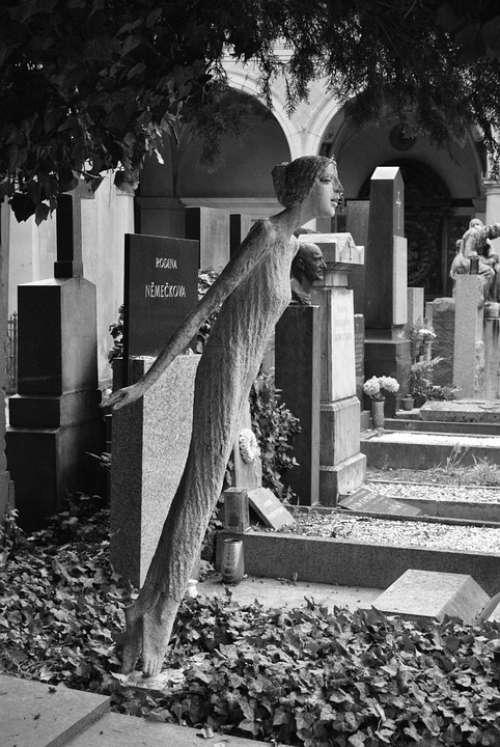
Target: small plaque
(364, 501)
(269, 508)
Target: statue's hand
(123, 397)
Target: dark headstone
(161, 288)
(385, 299)
(298, 372)
(269, 509)
(209, 226)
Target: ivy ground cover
(296, 676)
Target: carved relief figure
(254, 289)
(308, 265)
(475, 245)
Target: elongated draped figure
(254, 290)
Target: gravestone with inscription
(161, 288)
(342, 466)
(55, 418)
(387, 348)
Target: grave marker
(430, 595)
(269, 508)
(161, 288)
(364, 501)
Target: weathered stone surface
(424, 595)
(468, 351)
(359, 352)
(491, 337)
(366, 501)
(441, 317)
(415, 307)
(149, 449)
(33, 713)
(269, 509)
(495, 615)
(209, 226)
(461, 411)
(341, 479)
(340, 430)
(338, 372)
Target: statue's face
(312, 261)
(326, 192)
(476, 223)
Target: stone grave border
(344, 563)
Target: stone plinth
(468, 350)
(149, 450)
(298, 371)
(55, 417)
(429, 595)
(342, 466)
(441, 317)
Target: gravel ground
(398, 533)
(443, 492)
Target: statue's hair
(293, 181)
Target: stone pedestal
(55, 417)
(468, 350)
(5, 482)
(298, 370)
(342, 466)
(149, 450)
(440, 314)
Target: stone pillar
(297, 372)
(415, 307)
(55, 418)
(342, 466)
(468, 351)
(440, 314)
(5, 483)
(492, 190)
(387, 349)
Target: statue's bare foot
(132, 640)
(156, 630)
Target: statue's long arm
(251, 251)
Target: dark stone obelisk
(54, 418)
(6, 492)
(387, 348)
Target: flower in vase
(371, 387)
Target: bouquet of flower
(377, 386)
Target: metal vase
(233, 563)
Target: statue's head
(293, 181)
(308, 263)
(476, 223)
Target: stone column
(342, 466)
(5, 483)
(492, 190)
(468, 351)
(387, 349)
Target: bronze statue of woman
(254, 290)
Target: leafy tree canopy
(88, 85)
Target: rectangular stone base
(46, 464)
(430, 595)
(340, 479)
(339, 430)
(39, 411)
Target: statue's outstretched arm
(251, 251)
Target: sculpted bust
(307, 266)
